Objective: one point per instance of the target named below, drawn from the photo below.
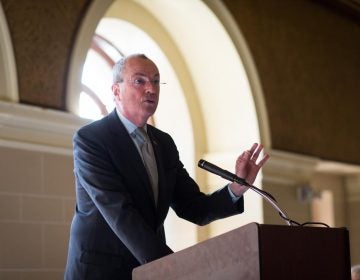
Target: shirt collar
(130, 127)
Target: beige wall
(353, 210)
(36, 206)
(286, 173)
(37, 198)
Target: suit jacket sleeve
(189, 202)
(203, 209)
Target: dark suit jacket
(117, 226)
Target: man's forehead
(141, 66)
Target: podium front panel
(233, 255)
(304, 253)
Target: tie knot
(141, 132)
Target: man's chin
(150, 110)
(150, 106)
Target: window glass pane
(97, 75)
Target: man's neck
(135, 122)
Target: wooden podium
(266, 252)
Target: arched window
(8, 77)
(95, 100)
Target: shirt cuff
(234, 198)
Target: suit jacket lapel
(160, 167)
(126, 150)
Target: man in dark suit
(123, 195)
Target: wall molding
(289, 165)
(34, 128)
(289, 168)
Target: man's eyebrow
(143, 74)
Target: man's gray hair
(119, 66)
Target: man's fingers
(256, 150)
(263, 160)
(253, 148)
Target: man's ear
(116, 90)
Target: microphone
(221, 172)
(234, 178)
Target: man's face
(137, 96)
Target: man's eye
(139, 81)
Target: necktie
(149, 160)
